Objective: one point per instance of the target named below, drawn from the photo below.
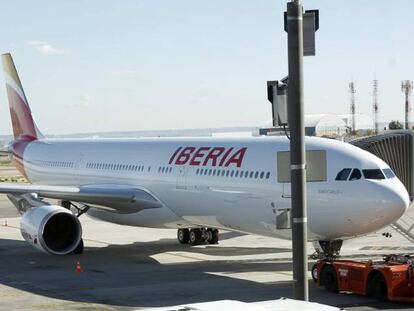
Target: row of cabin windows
(232, 173)
(164, 170)
(64, 164)
(117, 167)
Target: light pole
(294, 25)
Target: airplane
(194, 185)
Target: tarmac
(130, 268)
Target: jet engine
(51, 229)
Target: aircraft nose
(395, 200)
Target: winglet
(24, 127)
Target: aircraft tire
(195, 236)
(183, 236)
(214, 234)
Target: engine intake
(51, 229)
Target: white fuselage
(222, 188)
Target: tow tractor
(391, 278)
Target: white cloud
(45, 47)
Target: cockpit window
(389, 173)
(373, 174)
(344, 174)
(356, 174)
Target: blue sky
(159, 64)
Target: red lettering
(225, 156)
(184, 156)
(213, 155)
(198, 154)
(237, 158)
(173, 156)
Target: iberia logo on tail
(24, 127)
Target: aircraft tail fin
(24, 127)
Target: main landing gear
(197, 236)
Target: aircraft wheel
(79, 249)
(183, 236)
(329, 279)
(214, 236)
(195, 236)
(314, 273)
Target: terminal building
(325, 125)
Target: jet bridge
(396, 148)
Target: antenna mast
(406, 88)
(352, 92)
(375, 105)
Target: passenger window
(251, 174)
(256, 174)
(223, 172)
(237, 174)
(344, 174)
(267, 175)
(356, 174)
(261, 175)
(373, 174)
(228, 173)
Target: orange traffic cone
(78, 267)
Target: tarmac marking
(387, 248)
(264, 277)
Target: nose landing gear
(197, 236)
(325, 251)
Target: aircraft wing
(118, 198)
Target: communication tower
(406, 88)
(352, 92)
(375, 105)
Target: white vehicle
(197, 185)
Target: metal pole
(407, 109)
(297, 150)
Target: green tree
(395, 125)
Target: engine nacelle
(51, 229)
